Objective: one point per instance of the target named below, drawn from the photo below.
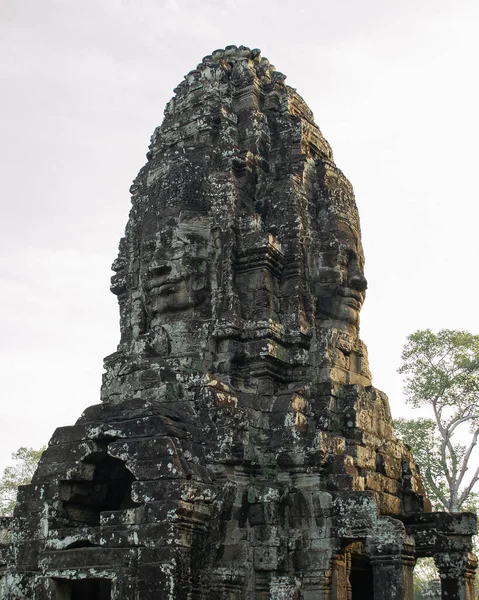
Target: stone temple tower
(239, 450)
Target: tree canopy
(19, 473)
(442, 371)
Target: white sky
(393, 86)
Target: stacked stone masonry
(239, 450)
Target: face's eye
(148, 247)
(354, 264)
(179, 244)
(328, 276)
(343, 260)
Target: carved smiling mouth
(352, 298)
(164, 287)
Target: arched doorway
(109, 490)
(82, 589)
(361, 577)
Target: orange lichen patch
(222, 392)
(301, 422)
(223, 399)
(298, 403)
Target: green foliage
(442, 369)
(422, 436)
(426, 580)
(442, 372)
(19, 473)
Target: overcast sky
(393, 86)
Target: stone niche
(240, 450)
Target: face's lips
(161, 286)
(168, 289)
(352, 302)
(348, 292)
(352, 297)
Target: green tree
(426, 581)
(19, 473)
(422, 435)
(442, 372)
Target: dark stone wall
(240, 450)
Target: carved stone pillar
(317, 587)
(448, 538)
(339, 578)
(391, 553)
(349, 590)
(457, 571)
(392, 576)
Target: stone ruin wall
(240, 450)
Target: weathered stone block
(240, 450)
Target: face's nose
(358, 282)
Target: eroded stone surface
(240, 450)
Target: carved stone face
(174, 272)
(340, 284)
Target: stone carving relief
(240, 450)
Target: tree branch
(467, 456)
(444, 443)
(467, 490)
